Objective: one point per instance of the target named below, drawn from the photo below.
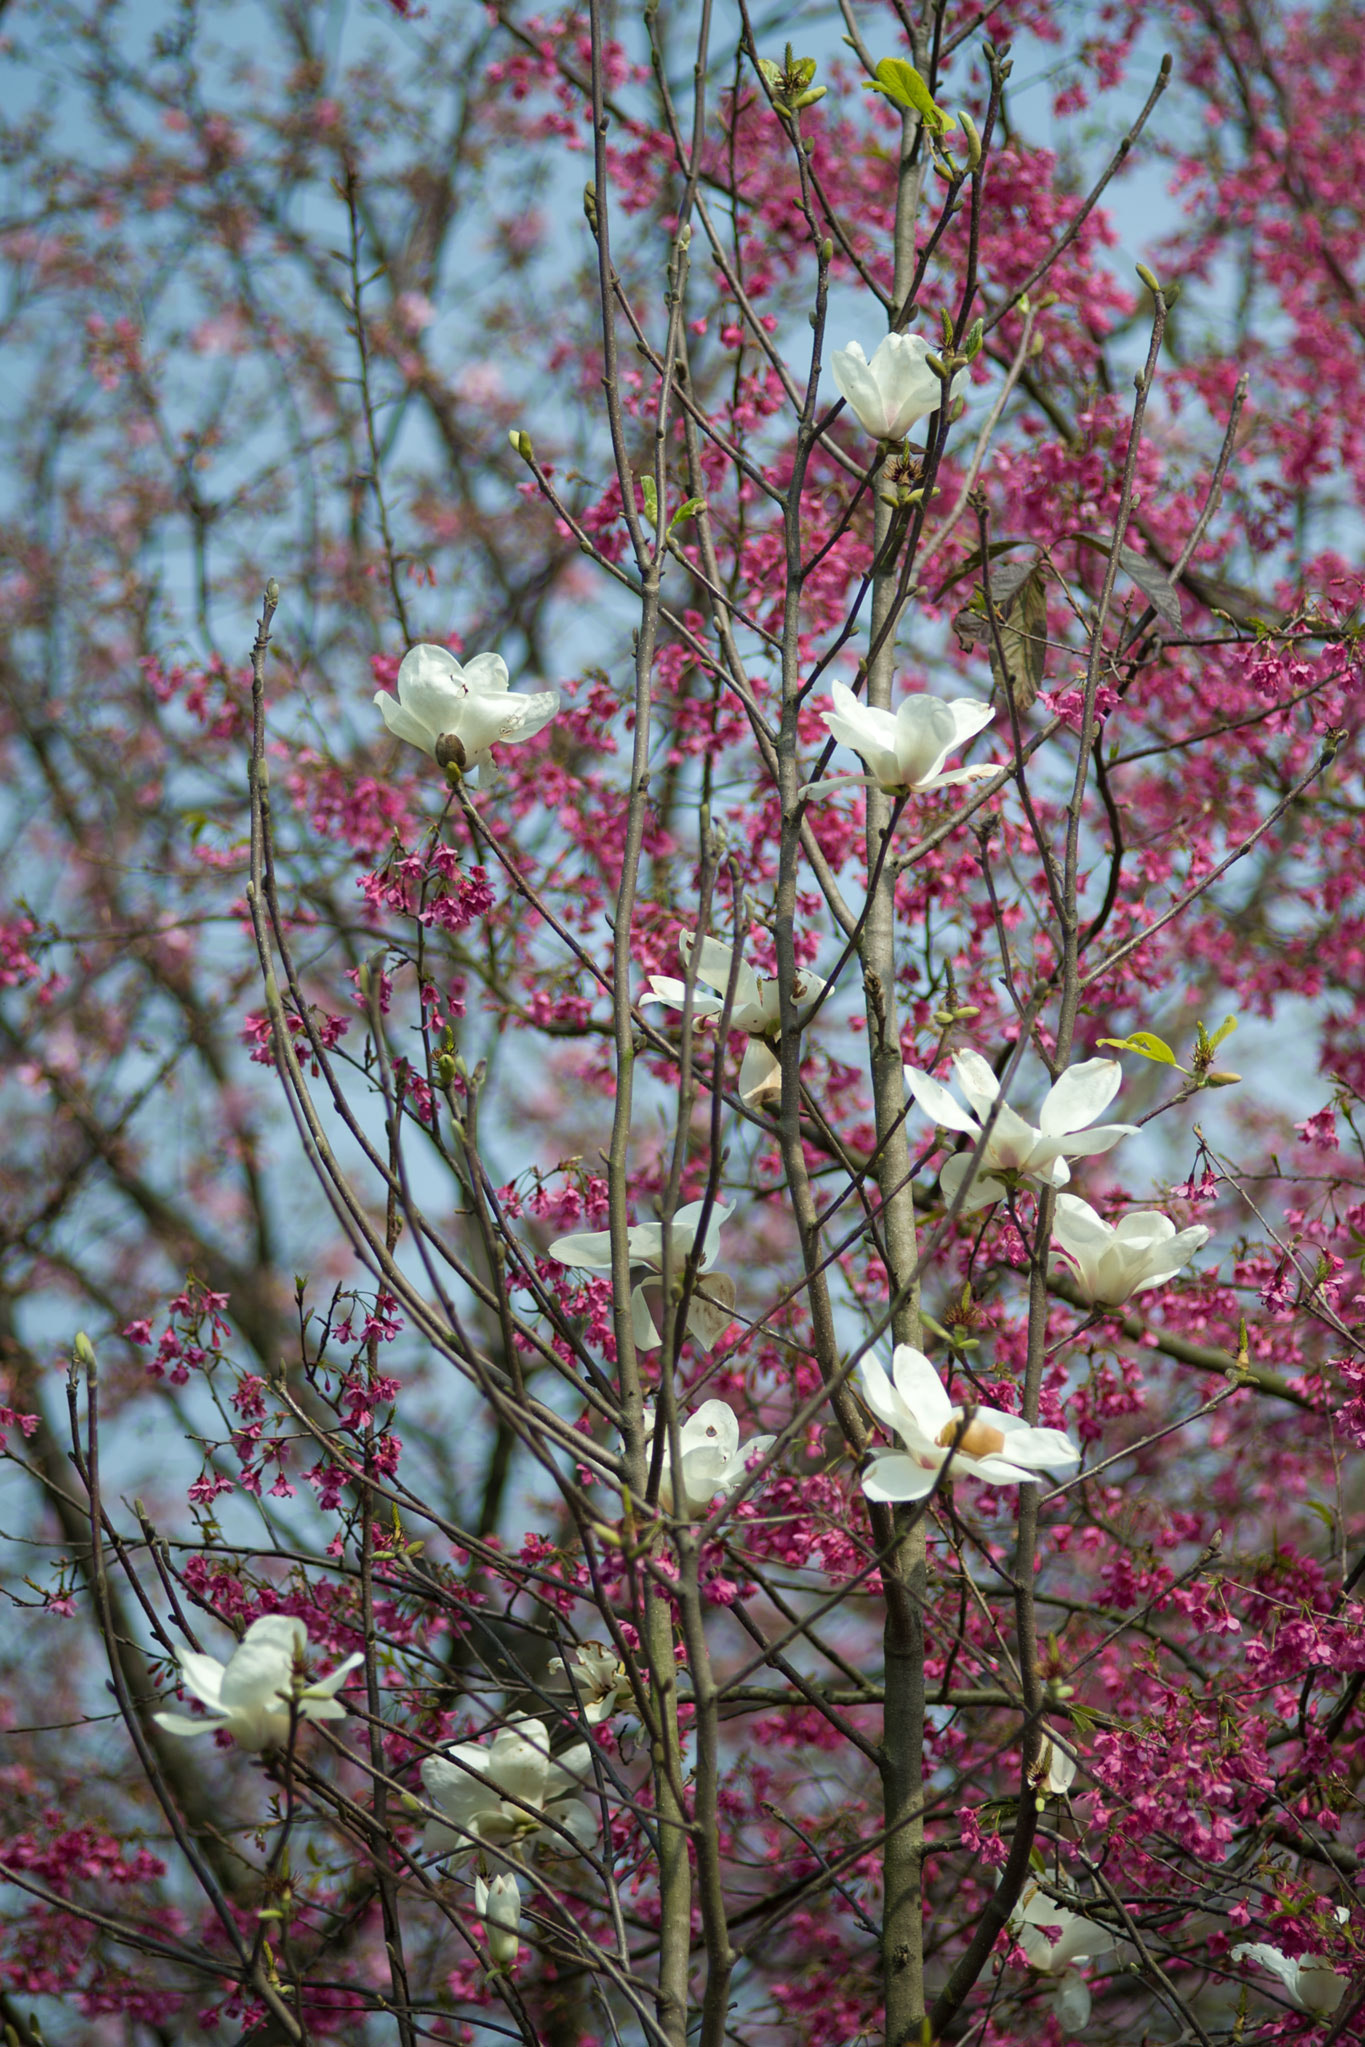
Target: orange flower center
(973, 1438)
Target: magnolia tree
(658, 1386)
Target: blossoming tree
(686, 1354)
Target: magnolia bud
(499, 1906)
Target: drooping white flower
(1311, 1983)
(595, 1678)
(250, 1694)
(1016, 1148)
(1055, 1771)
(905, 749)
(756, 1009)
(1054, 1940)
(458, 713)
(502, 1796)
(1111, 1262)
(709, 1311)
(997, 1448)
(712, 1461)
(895, 390)
(499, 1906)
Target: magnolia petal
(822, 788)
(714, 968)
(479, 721)
(1078, 1096)
(663, 988)
(527, 715)
(926, 733)
(1014, 1146)
(920, 1388)
(1318, 1988)
(952, 1177)
(324, 1687)
(893, 1477)
(201, 1675)
(519, 1759)
(937, 1104)
(642, 1326)
(485, 674)
(181, 1723)
(1077, 1227)
(714, 1425)
(1088, 1144)
(711, 1309)
(579, 1821)
(431, 685)
(590, 1251)
(955, 777)
(1042, 1449)
(258, 1676)
(685, 1229)
(403, 725)
(877, 1391)
(976, 1078)
(760, 1074)
(1071, 2002)
(856, 384)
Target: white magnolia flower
(1310, 1982)
(250, 1694)
(501, 1796)
(499, 1906)
(1034, 1923)
(1016, 1148)
(457, 714)
(710, 1310)
(756, 1009)
(905, 749)
(895, 390)
(595, 1678)
(1055, 1770)
(712, 1461)
(1113, 1261)
(997, 1448)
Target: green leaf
(902, 85)
(651, 498)
(1224, 1030)
(1148, 1046)
(687, 511)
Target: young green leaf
(1148, 1046)
(902, 85)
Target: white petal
(431, 687)
(524, 716)
(1078, 1096)
(953, 1172)
(877, 1390)
(180, 1723)
(590, 1252)
(1071, 2002)
(403, 725)
(760, 1075)
(977, 1080)
(485, 674)
(893, 1477)
(937, 1104)
(856, 383)
(646, 1335)
(921, 1388)
(202, 1675)
(926, 733)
